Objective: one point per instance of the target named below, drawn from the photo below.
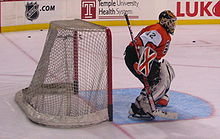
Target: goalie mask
(167, 19)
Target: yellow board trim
(198, 22)
(149, 22)
(25, 27)
(124, 23)
(110, 23)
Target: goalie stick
(131, 33)
(155, 111)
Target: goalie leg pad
(166, 76)
(154, 76)
(141, 105)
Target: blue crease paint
(186, 105)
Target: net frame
(27, 99)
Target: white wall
(13, 12)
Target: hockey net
(71, 86)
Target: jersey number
(151, 34)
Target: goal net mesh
(71, 86)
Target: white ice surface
(197, 68)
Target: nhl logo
(32, 11)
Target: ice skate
(139, 114)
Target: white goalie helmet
(168, 20)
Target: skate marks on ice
(186, 105)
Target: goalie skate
(139, 114)
(141, 117)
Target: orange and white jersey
(156, 37)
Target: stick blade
(163, 114)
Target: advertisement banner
(30, 12)
(203, 9)
(149, 10)
(110, 9)
(104, 12)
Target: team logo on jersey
(146, 60)
(32, 11)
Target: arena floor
(194, 54)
